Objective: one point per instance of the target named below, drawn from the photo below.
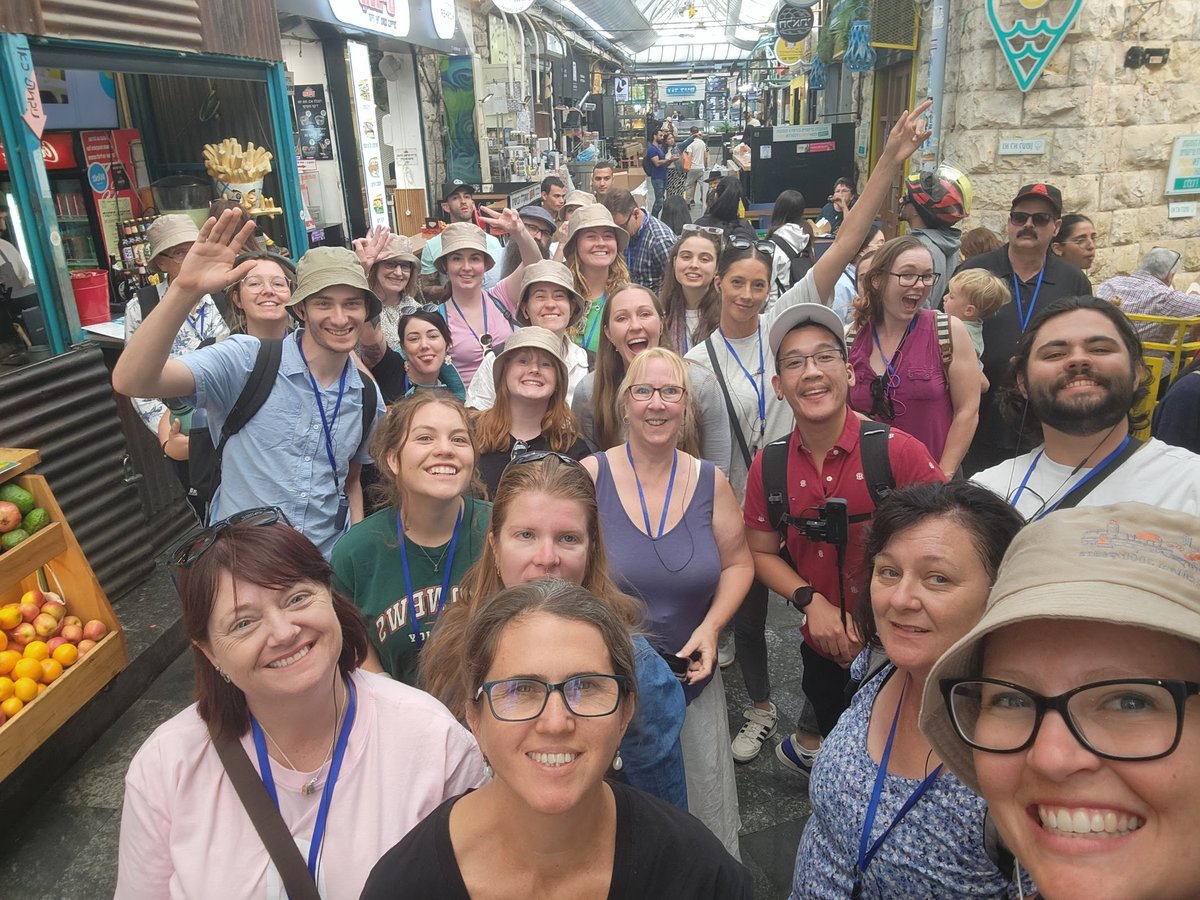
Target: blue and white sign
(683, 90)
(621, 89)
(98, 178)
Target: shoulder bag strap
(266, 818)
(734, 426)
(1074, 496)
(945, 344)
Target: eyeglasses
(1130, 719)
(522, 699)
(521, 455)
(910, 279)
(738, 242)
(702, 229)
(1041, 220)
(178, 252)
(408, 309)
(391, 265)
(192, 547)
(824, 359)
(670, 393)
(254, 283)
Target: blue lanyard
(487, 333)
(199, 329)
(866, 849)
(760, 389)
(327, 422)
(662, 522)
(1024, 316)
(1096, 470)
(335, 768)
(595, 323)
(893, 381)
(417, 630)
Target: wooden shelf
(25, 460)
(32, 553)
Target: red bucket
(90, 287)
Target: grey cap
(805, 314)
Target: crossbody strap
(1074, 496)
(269, 824)
(734, 425)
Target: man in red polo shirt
(823, 462)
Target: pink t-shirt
(185, 833)
(465, 350)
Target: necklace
(441, 559)
(310, 786)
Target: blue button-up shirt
(647, 252)
(279, 458)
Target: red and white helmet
(944, 195)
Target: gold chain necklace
(310, 786)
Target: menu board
(312, 121)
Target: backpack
(801, 261)
(204, 459)
(647, 166)
(945, 345)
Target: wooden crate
(56, 548)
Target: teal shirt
(590, 337)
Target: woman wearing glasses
(887, 820)
(530, 412)
(545, 524)
(1073, 706)
(914, 368)
(672, 524)
(402, 564)
(594, 251)
(550, 681)
(258, 303)
(689, 295)
(281, 700)
(1076, 241)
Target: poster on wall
(312, 120)
(368, 138)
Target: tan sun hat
(324, 267)
(1125, 564)
(578, 198)
(552, 272)
(170, 231)
(397, 247)
(531, 336)
(462, 236)
(594, 216)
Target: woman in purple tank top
(898, 373)
(675, 540)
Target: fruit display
(39, 641)
(20, 516)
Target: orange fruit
(38, 650)
(6, 688)
(25, 689)
(10, 615)
(27, 668)
(41, 688)
(3, 641)
(65, 655)
(8, 659)
(51, 670)
(11, 707)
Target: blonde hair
(688, 440)
(981, 289)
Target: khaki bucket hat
(578, 198)
(323, 267)
(462, 236)
(1125, 564)
(594, 216)
(552, 272)
(398, 247)
(531, 336)
(169, 231)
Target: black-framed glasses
(741, 242)
(1040, 219)
(883, 404)
(670, 393)
(824, 359)
(525, 456)
(392, 264)
(521, 699)
(911, 279)
(691, 228)
(1123, 719)
(192, 547)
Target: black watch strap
(802, 596)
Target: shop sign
(1022, 146)
(794, 23)
(684, 90)
(368, 139)
(312, 119)
(621, 89)
(788, 53)
(512, 7)
(58, 152)
(1028, 41)
(382, 16)
(1183, 175)
(802, 132)
(444, 17)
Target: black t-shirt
(661, 852)
(994, 440)
(492, 465)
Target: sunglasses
(192, 547)
(1041, 219)
(738, 242)
(702, 229)
(522, 455)
(408, 309)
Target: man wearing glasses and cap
(458, 203)
(304, 448)
(1036, 278)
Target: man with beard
(1035, 279)
(1078, 377)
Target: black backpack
(204, 459)
(801, 260)
(647, 166)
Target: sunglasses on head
(521, 455)
(1040, 219)
(702, 229)
(408, 309)
(738, 242)
(192, 547)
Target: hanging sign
(621, 89)
(788, 53)
(794, 23)
(802, 4)
(512, 7)
(1028, 40)
(383, 16)
(368, 141)
(444, 18)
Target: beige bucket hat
(531, 336)
(552, 272)
(397, 247)
(578, 198)
(169, 231)
(594, 216)
(323, 267)
(462, 236)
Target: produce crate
(56, 548)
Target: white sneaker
(760, 725)
(726, 650)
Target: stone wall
(1108, 129)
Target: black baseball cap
(450, 188)
(1042, 191)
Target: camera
(831, 525)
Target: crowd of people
(486, 521)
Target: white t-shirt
(1158, 474)
(185, 833)
(697, 150)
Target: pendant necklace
(310, 786)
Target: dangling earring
(487, 769)
(618, 763)
(222, 674)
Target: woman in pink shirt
(277, 658)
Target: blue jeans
(656, 194)
(650, 749)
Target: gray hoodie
(943, 243)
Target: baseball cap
(1041, 190)
(169, 231)
(1126, 564)
(450, 187)
(553, 272)
(806, 314)
(324, 267)
(531, 336)
(538, 214)
(462, 236)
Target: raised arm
(510, 221)
(145, 368)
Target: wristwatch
(802, 596)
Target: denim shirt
(652, 755)
(279, 458)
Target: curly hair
(868, 307)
